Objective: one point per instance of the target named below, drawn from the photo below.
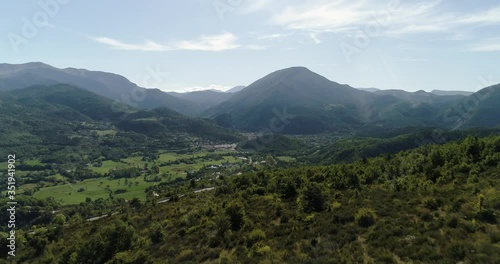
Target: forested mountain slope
(434, 204)
(62, 115)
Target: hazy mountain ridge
(441, 92)
(480, 109)
(317, 104)
(236, 89)
(204, 99)
(110, 85)
(323, 105)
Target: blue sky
(199, 44)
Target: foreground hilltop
(434, 204)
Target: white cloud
(146, 46)
(491, 16)
(274, 36)
(323, 16)
(487, 47)
(411, 60)
(413, 29)
(314, 37)
(254, 47)
(225, 41)
(460, 37)
(254, 6)
(221, 42)
(400, 17)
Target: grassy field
(109, 165)
(134, 161)
(179, 170)
(286, 158)
(95, 189)
(106, 132)
(32, 162)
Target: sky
(218, 44)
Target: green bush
(312, 198)
(365, 217)
(236, 214)
(256, 236)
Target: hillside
(434, 204)
(109, 85)
(480, 109)
(67, 116)
(358, 148)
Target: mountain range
(319, 105)
(110, 85)
(294, 100)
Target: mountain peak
(292, 74)
(296, 70)
(28, 64)
(6, 68)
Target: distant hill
(204, 100)
(110, 85)
(480, 109)
(436, 92)
(442, 92)
(236, 89)
(317, 103)
(420, 96)
(371, 90)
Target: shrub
(119, 191)
(495, 237)
(185, 255)
(431, 203)
(487, 216)
(236, 214)
(59, 219)
(156, 234)
(457, 251)
(336, 205)
(365, 217)
(453, 222)
(312, 198)
(256, 236)
(261, 249)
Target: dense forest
(431, 204)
